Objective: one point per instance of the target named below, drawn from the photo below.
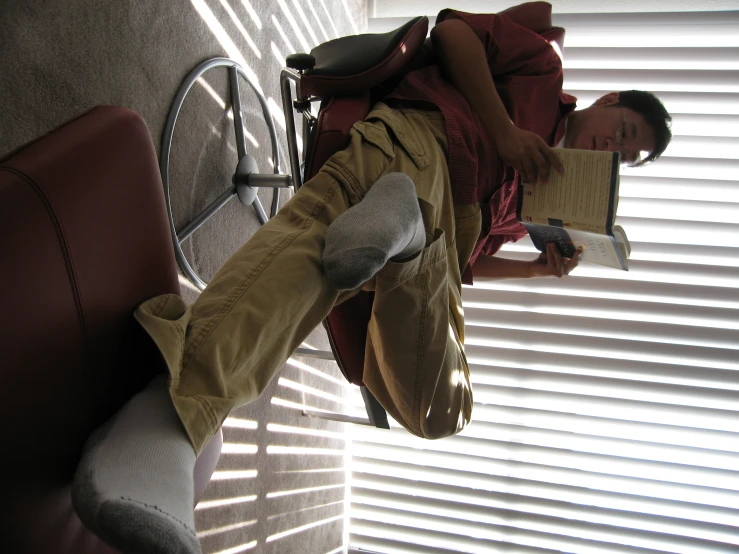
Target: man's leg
(222, 352)
(414, 362)
(385, 226)
(134, 485)
(419, 372)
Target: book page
(599, 249)
(583, 198)
(622, 240)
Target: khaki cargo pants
(223, 350)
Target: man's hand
(527, 153)
(551, 263)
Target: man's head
(630, 122)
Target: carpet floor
(280, 483)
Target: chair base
(376, 414)
(246, 177)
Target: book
(578, 209)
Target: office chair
(346, 86)
(347, 76)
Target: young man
(419, 202)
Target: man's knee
(442, 424)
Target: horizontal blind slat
(452, 459)
(656, 81)
(608, 288)
(607, 309)
(450, 497)
(709, 210)
(610, 407)
(529, 528)
(480, 322)
(677, 58)
(486, 377)
(708, 485)
(396, 534)
(606, 446)
(534, 531)
(624, 309)
(673, 231)
(570, 345)
(488, 360)
(676, 102)
(723, 125)
(571, 493)
(720, 148)
(647, 19)
(374, 541)
(720, 441)
(640, 186)
(688, 168)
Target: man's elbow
(448, 32)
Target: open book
(577, 209)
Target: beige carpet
(279, 486)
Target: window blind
(606, 414)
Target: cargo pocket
(403, 133)
(375, 133)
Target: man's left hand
(551, 263)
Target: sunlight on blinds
(606, 413)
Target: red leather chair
(85, 239)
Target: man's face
(606, 126)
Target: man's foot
(134, 484)
(385, 226)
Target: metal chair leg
(376, 414)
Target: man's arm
(549, 264)
(463, 60)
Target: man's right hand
(527, 153)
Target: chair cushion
(86, 239)
(335, 120)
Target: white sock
(134, 484)
(385, 226)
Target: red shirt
(527, 73)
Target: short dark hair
(654, 113)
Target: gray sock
(134, 484)
(385, 226)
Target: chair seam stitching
(61, 237)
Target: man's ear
(608, 100)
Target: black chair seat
(358, 63)
(355, 54)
